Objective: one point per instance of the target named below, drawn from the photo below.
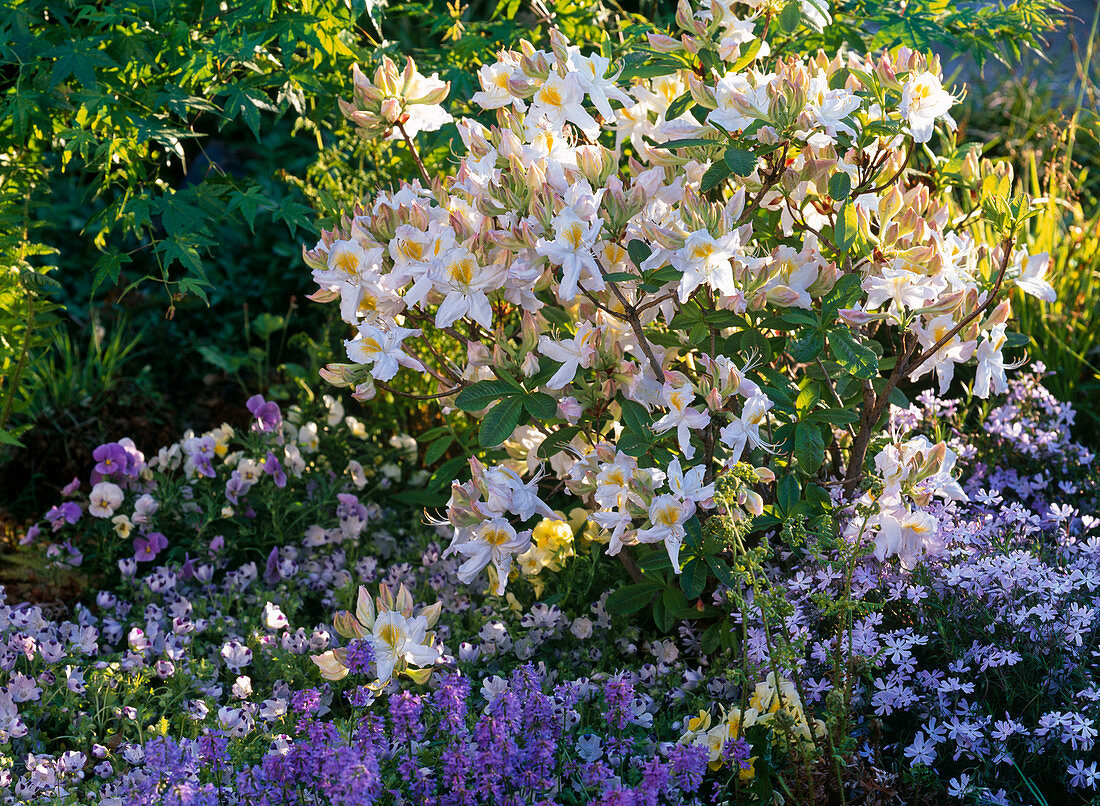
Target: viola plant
(227, 493)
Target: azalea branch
(1006, 245)
(899, 172)
(385, 387)
(631, 317)
(415, 155)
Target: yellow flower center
(549, 95)
(413, 250)
(391, 635)
(667, 516)
(348, 263)
(495, 536)
(461, 271)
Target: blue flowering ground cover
(268, 630)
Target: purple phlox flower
(267, 413)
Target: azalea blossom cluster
(616, 259)
(387, 634)
(723, 737)
(912, 471)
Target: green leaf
(687, 142)
(843, 295)
(833, 416)
(634, 444)
(436, 450)
(787, 493)
(790, 16)
(808, 346)
(857, 358)
(740, 161)
(267, 323)
(847, 227)
(678, 107)
(639, 252)
(631, 598)
(556, 441)
(655, 561)
(809, 448)
(483, 394)
(636, 418)
(6, 438)
(840, 186)
(620, 277)
(674, 601)
(722, 571)
(715, 175)
(753, 341)
(693, 578)
(499, 422)
(541, 406)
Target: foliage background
(161, 166)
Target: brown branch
(1007, 245)
(416, 156)
(387, 388)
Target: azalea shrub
(729, 495)
(682, 280)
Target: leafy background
(161, 166)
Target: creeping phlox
(603, 245)
(383, 632)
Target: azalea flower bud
(751, 501)
(391, 110)
(1000, 315)
(662, 43)
(701, 92)
(685, 16)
